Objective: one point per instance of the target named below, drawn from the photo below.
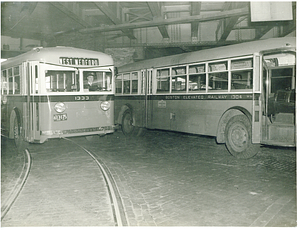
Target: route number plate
(60, 117)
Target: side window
(143, 81)
(179, 79)
(163, 80)
(126, 82)
(119, 83)
(218, 76)
(197, 77)
(10, 82)
(17, 84)
(4, 82)
(134, 80)
(242, 74)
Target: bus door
(148, 97)
(31, 103)
(279, 100)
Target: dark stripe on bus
(188, 97)
(62, 98)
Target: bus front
(73, 98)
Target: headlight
(60, 107)
(105, 105)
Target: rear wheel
(238, 133)
(128, 128)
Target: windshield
(97, 81)
(69, 81)
(62, 81)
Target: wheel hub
(239, 137)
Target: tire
(127, 126)
(238, 133)
(18, 138)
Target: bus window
(179, 83)
(16, 80)
(197, 77)
(10, 82)
(126, 79)
(197, 82)
(97, 81)
(119, 83)
(134, 79)
(163, 80)
(61, 81)
(242, 74)
(218, 81)
(197, 69)
(179, 79)
(242, 80)
(219, 66)
(17, 84)
(281, 79)
(4, 82)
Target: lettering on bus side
(207, 97)
(217, 96)
(193, 97)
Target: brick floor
(164, 178)
(65, 188)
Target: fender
(229, 113)
(123, 109)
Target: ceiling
(169, 27)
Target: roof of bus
(241, 49)
(52, 55)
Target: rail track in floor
(117, 208)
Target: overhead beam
(70, 13)
(198, 44)
(288, 29)
(156, 12)
(112, 16)
(196, 18)
(291, 25)
(226, 25)
(262, 31)
(195, 10)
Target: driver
(91, 85)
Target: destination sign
(78, 61)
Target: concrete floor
(164, 178)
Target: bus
(242, 94)
(57, 92)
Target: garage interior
(133, 31)
(163, 178)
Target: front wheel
(238, 135)
(18, 138)
(128, 128)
